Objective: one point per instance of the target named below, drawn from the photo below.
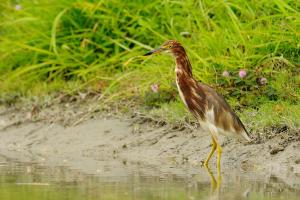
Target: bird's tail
(246, 136)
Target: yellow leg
(213, 149)
(215, 184)
(219, 150)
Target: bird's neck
(183, 65)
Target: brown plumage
(210, 108)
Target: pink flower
(242, 73)
(155, 87)
(18, 7)
(263, 81)
(226, 74)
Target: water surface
(23, 181)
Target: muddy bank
(104, 145)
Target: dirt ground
(82, 137)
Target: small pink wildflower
(225, 74)
(18, 7)
(155, 87)
(242, 73)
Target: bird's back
(219, 114)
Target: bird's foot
(204, 163)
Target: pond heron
(210, 108)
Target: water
(23, 181)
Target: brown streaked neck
(183, 64)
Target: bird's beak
(155, 51)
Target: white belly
(209, 125)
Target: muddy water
(20, 181)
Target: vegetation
(247, 50)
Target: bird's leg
(219, 150)
(213, 149)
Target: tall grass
(54, 45)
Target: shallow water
(20, 181)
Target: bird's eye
(170, 46)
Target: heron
(210, 108)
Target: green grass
(65, 46)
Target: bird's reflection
(216, 186)
(215, 182)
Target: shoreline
(100, 143)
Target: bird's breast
(190, 94)
(180, 92)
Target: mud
(85, 138)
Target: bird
(210, 108)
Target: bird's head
(167, 46)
